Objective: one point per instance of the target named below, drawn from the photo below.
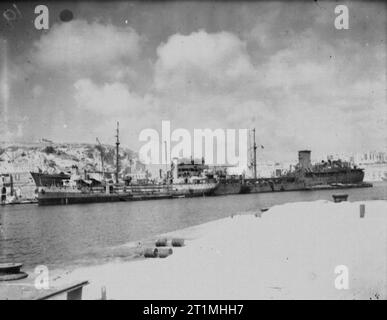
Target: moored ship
(114, 193)
(305, 176)
(325, 175)
(66, 189)
(192, 179)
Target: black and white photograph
(218, 151)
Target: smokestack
(304, 159)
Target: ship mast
(254, 156)
(117, 150)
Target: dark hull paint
(223, 191)
(61, 198)
(54, 199)
(309, 181)
(250, 187)
(329, 177)
(47, 180)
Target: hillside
(57, 157)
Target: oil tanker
(63, 189)
(82, 191)
(195, 179)
(325, 175)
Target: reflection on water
(77, 234)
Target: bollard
(362, 210)
(103, 293)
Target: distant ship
(325, 175)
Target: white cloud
(110, 99)
(111, 102)
(202, 61)
(37, 91)
(295, 81)
(305, 90)
(83, 48)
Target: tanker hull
(334, 179)
(63, 196)
(258, 186)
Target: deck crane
(102, 156)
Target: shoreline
(250, 256)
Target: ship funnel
(304, 159)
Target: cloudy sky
(280, 67)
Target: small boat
(340, 197)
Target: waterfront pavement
(311, 250)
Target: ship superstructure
(305, 176)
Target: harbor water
(61, 236)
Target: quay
(321, 231)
